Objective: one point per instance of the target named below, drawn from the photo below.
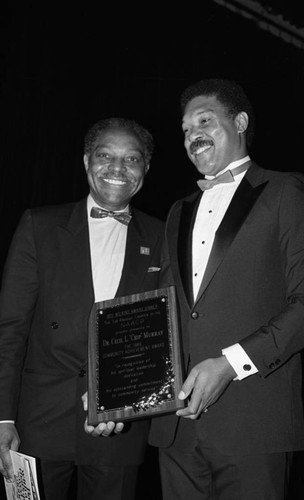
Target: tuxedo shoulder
(280, 176)
(288, 182)
(58, 212)
(189, 198)
(54, 209)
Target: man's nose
(117, 164)
(194, 134)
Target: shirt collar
(231, 165)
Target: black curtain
(62, 69)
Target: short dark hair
(229, 93)
(120, 123)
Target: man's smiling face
(213, 139)
(115, 168)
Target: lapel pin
(145, 250)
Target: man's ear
(147, 166)
(86, 161)
(241, 121)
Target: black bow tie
(123, 217)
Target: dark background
(64, 66)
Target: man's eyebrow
(108, 146)
(201, 112)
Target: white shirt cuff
(7, 421)
(240, 361)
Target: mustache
(199, 143)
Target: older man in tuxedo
(61, 260)
(236, 247)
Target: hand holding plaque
(134, 357)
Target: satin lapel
(139, 249)
(75, 259)
(239, 208)
(183, 228)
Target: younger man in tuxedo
(236, 249)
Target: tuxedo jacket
(252, 293)
(46, 299)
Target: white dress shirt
(107, 246)
(211, 210)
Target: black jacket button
(194, 315)
(54, 325)
(82, 372)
